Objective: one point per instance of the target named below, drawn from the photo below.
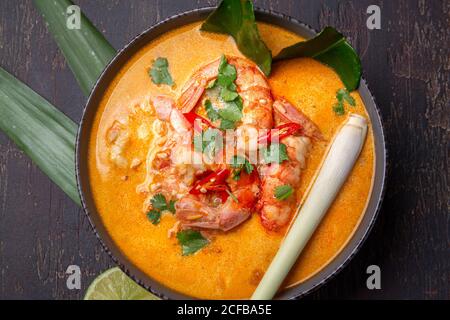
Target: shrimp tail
(196, 86)
(285, 112)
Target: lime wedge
(113, 284)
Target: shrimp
(208, 211)
(275, 213)
(168, 165)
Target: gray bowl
(84, 187)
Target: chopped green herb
(231, 112)
(191, 241)
(240, 163)
(154, 216)
(209, 142)
(227, 124)
(342, 96)
(275, 153)
(227, 73)
(228, 95)
(338, 108)
(239, 103)
(160, 204)
(159, 72)
(171, 206)
(283, 192)
(212, 113)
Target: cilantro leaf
(191, 241)
(240, 163)
(227, 92)
(231, 112)
(228, 95)
(227, 124)
(237, 162)
(171, 206)
(159, 202)
(239, 103)
(159, 72)
(275, 153)
(227, 73)
(283, 192)
(342, 96)
(212, 113)
(208, 142)
(338, 108)
(154, 216)
(248, 167)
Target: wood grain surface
(407, 66)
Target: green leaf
(231, 112)
(45, 134)
(236, 18)
(208, 142)
(275, 153)
(228, 95)
(212, 113)
(171, 206)
(343, 94)
(283, 192)
(240, 163)
(227, 125)
(86, 50)
(154, 216)
(248, 167)
(159, 202)
(338, 108)
(191, 241)
(159, 72)
(227, 73)
(331, 48)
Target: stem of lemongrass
(338, 164)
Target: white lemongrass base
(338, 164)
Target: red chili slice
(281, 132)
(192, 116)
(213, 182)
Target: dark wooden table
(406, 64)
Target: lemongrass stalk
(338, 164)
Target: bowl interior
(84, 187)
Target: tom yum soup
(198, 160)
